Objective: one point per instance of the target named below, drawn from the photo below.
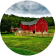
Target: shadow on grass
(22, 51)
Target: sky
(28, 9)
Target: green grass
(4, 32)
(51, 30)
(22, 51)
(26, 45)
(8, 34)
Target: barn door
(34, 31)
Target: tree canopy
(12, 20)
(5, 25)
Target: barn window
(39, 30)
(44, 30)
(31, 30)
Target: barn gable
(30, 23)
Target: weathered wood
(37, 34)
(42, 34)
(32, 34)
(48, 34)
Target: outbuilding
(19, 30)
(38, 25)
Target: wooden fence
(38, 35)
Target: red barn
(38, 25)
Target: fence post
(42, 34)
(19, 34)
(23, 32)
(37, 34)
(16, 33)
(48, 34)
(32, 34)
(28, 33)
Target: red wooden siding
(40, 26)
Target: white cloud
(28, 8)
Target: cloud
(28, 7)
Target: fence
(38, 35)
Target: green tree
(54, 23)
(5, 25)
(14, 26)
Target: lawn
(51, 30)
(27, 45)
(8, 34)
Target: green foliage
(5, 25)
(7, 34)
(54, 23)
(14, 25)
(51, 27)
(17, 20)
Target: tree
(14, 26)
(2, 25)
(54, 23)
(5, 25)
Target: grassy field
(26, 45)
(51, 30)
(33, 45)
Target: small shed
(19, 30)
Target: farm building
(12, 29)
(19, 30)
(38, 25)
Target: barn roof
(30, 23)
(19, 29)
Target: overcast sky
(28, 9)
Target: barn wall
(21, 26)
(41, 25)
(25, 27)
(31, 28)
